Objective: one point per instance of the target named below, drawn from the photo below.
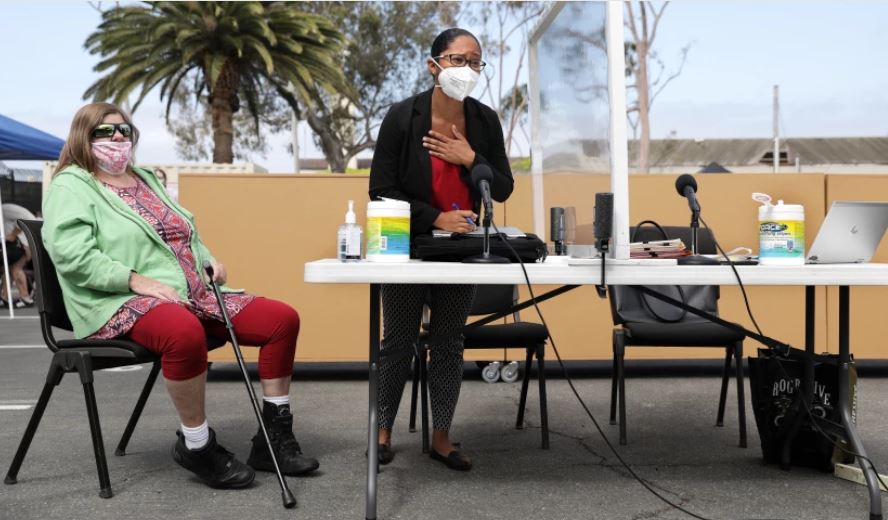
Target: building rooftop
(695, 153)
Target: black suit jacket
(402, 168)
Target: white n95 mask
(457, 82)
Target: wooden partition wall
(265, 227)
(869, 310)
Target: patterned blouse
(176, 232)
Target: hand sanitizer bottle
(349, 237)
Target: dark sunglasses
(108, 129)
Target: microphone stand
(603, 247)
(485, 257)
(695, 258)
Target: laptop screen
(850, 233)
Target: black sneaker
(279, 423)
(213, 464)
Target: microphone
(603, 229)
(604, 214)
(556, 232)
(686, 186)
(482, 176)
(603, 224)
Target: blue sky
(829, 58)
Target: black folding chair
(643, 321)
(516, 334)
(82, 356)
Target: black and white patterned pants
(402, 316)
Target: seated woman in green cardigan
(129, 262)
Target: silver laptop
(850, 233)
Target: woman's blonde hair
(77, 149)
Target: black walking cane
(289, 499)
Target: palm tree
(229, 50)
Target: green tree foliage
(231, 51)
(383, 62)
(505, 29)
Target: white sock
(197, 437)
(277, 400)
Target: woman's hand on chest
(454, 149)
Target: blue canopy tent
(21, 142)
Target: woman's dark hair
(446, 38)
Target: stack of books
(658, 249)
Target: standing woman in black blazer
(426, 147)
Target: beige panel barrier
(265, 227)
(868, 324)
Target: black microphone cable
(808, 411)
(577, 394)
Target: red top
(448, 188)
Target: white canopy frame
(618, 140)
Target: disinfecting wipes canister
(781, 233)
(388, 231)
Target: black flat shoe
(454, 460)
(384, 453)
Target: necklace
(125, 177)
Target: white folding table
(617, 273)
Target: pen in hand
(470, 220)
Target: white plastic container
(781, 232)
(388, 231)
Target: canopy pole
(619, 144)
(6, 278)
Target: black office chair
(532, 337)
(644, 321)
(82, 356)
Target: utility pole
(295, 124)
(776, 128)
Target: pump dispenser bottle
(349, 237)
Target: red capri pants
(180, 338)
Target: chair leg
(741, 395)
(525, 383)
(424, 387)
(726, 376)
(84, 368)
(613, 407)
(620, 344)
(413, 393)
(53, 378)
(137, 411)
(541, 381)
(98, 446)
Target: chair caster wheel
(491, 372)
(511, 372)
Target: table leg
(798, 412)
(372, 422)
(853, 438)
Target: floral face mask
(112, 156)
